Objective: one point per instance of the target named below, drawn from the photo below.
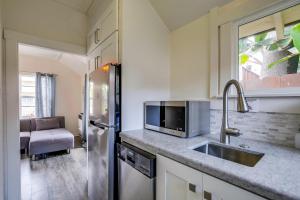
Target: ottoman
(46, 141)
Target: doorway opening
(52, 141)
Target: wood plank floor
(59, 177)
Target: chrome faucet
(242, 107)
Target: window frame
(278, 92)
(20, 93)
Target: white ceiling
(176, 13)
(79, 5)
(76, 63)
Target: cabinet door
(105, 26)
(93, 38)
(94, 59)
(215, 189)
(108, 21)
(109, 50)
(176, 181)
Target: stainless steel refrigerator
(104, 125)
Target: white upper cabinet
(106, 52)
(94, 59)
(105, 26)
(176, 181)
(91, 40)
(108, 22)
(109, 50)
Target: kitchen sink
(237, 155)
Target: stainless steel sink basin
(241, 156)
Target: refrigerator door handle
(105, 126)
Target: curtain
(45, 95)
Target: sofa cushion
(24, 140)
(61, 120)
(46, 123)
(45, 141)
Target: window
(269, 50)
(27, 95)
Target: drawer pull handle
(195, 188)
(192, 187)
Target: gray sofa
(24, 134)
(46, 135)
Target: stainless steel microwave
(178, 118)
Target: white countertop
(275, 176)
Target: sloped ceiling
(76, 63)
(79, 5)
(176, 13)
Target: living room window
(27, 95)
(268, 53)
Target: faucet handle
(233, 132)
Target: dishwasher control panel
(139, 159)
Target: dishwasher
(136, 173)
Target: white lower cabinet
(216, 189)
(176, 181)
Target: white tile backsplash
(277, 128)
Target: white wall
(193, 58)
(46, 19)
(232, 12)
(223, 19)
(59, 27)
(68, 87)
(145, 59)
(190, 50)
(190, 60)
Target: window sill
(269, 93)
